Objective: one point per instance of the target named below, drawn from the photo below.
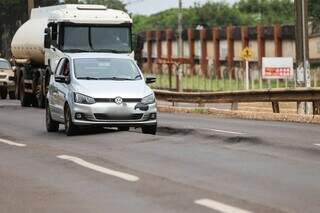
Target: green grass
(199, 83)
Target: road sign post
(246, 55)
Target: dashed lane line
(220, 207)
(79, 161)
(224, 131)
(12, 143)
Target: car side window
(63, 67)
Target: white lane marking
(317, 144)
(12, 143)
(224, 131)
(101, 169)
(219, 206)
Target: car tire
(70, 128)
(52, 126)
(25, 99)
(12, 95)
(4, 93)
(123, 128)
(150, 130)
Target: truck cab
(79, 31)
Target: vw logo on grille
(118, 100)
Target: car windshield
(4, 65)
(106, 69)
(97, 39)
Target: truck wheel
(70, 128)
(39, 96)
(150, 130)
(52, 126)
(4, 93)
(12, 95)
(25, 99)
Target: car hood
(112, 89)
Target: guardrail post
(230, 57)
(169, 37)
(316, 107)
(159, 50)
(191, 50)
(275, 107)
(204, 62)
(216, 46)
(149, 50)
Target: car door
(62, 88)
(55, 93)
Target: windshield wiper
(117, 79)
(88, 78)
(109, 51)
(77, 50)
(138, 77)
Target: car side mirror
(47, 38)
(12, 78)
(62, 79)
(151, 80)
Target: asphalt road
(195, 164)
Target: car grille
(108, 117)
(125, 100)
(3, 76)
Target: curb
(264, 116)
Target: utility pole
(302, 49)
(30, 6)
(180, 49)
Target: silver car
(100, 89)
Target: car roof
(98, 55)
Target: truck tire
(51, 125)
(25, 98)
(4, 93)
(70, 128)
(39, 94)
(12, 95)
(150, 130)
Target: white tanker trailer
(53, 31)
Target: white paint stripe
(219, 206)
(12, 143)
(317, 144)
(97, 168)
(225, 131)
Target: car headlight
(83, 99)
(150, 99)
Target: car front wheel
(70, 128)
(3, 93)
(151, 130)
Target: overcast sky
(148, 7)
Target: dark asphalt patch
(170, 131)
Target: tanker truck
(51, 32)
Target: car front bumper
(113, 115)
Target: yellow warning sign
(246, 54)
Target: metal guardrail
(275, 96)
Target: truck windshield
(106, 69)
(115, 39)
(4, 65)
